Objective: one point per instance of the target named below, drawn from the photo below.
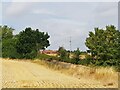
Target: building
(49, 52)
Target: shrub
(8, 49)
(84, 62)
(46, 57)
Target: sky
(61, 20)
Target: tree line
(103, 46)
(26, 44)
(103, 49)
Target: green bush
(31, 55)
(84, 62)
(8, 49)
(73, 61)
(46, 57)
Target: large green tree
(7, 42)
(30, 42)
(104, 44)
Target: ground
(25, 74)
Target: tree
(77, 55)
(8, 41)
(30, 42)
(8, 48)
(104, 44)
(6, 32)
(64, 55)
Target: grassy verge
(106, 75)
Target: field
(39, 74)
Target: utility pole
(70, 44)
(70, 47)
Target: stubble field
(26, 74)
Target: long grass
(105, 75)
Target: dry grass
(106, 75)
(25, 74)
(0, 73)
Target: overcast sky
(61, 20)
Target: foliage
(46, 57)
(24, 45)
(63, 54)
(76, 56)
(6, 32)
(30, 42)
(84, 62)
(8, 42)
(8, 49)
(104, 45)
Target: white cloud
(106, 9)
(17, 8)
(106, 14)
(42, 11)
(111, 12)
